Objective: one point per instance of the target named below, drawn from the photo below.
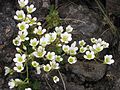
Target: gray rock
(42, 8)
(86, 23)
(8, 55)
(91, 71)
(7, 30)
(81, 18)
(113, 6)
(1, 82)
(73, 86)
(117, 85)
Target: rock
(81, 18)
(73, 86)
(7, 30)
(42, 8)
(113, 9)
(117, 84)
(90, 71)
(7, 56)
(113, 6)
(7, 7)
(1, 82)
(86, 23)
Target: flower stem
(62, 80)
(47, 82)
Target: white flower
(56, 79)
(28, 89)
(89, 48)
(11, 84)
(19, 58)
(33, 21)
(66, 48)
(22, 35)
(31, 9)
(82, 43)
(69, 28)
(73, 44)
(18, 50)
(18, 81)
(93, 40)
(108, 59)
(38, 70)
(59, 30)
(40, 52)
(22, 3)
(47, 68)
(73, 49)
(99, 40)
(23, 26)
(70, 50)
(53, 36)
(72, 60)
(89, 55)
(35, 64)
(50, 56)
(38, 23)
(44, 41)
(48, 36)
(66, 37)
(7, 70)
(19, 67)
(59, 45)
(97, 47)
(82, 49)
(20, 15)
(28, 18)
(17, 41)
(39, 30)
(58, 58)
(54, 65)
(24, 47)
(104, 44)
(34, 42)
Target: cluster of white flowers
(37, 66)
(32, 36)
(14, 83)
(72, 50)
(19, 61)
(91, 52)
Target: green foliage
(35, 85)
(53, 18)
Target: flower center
(20, 59)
